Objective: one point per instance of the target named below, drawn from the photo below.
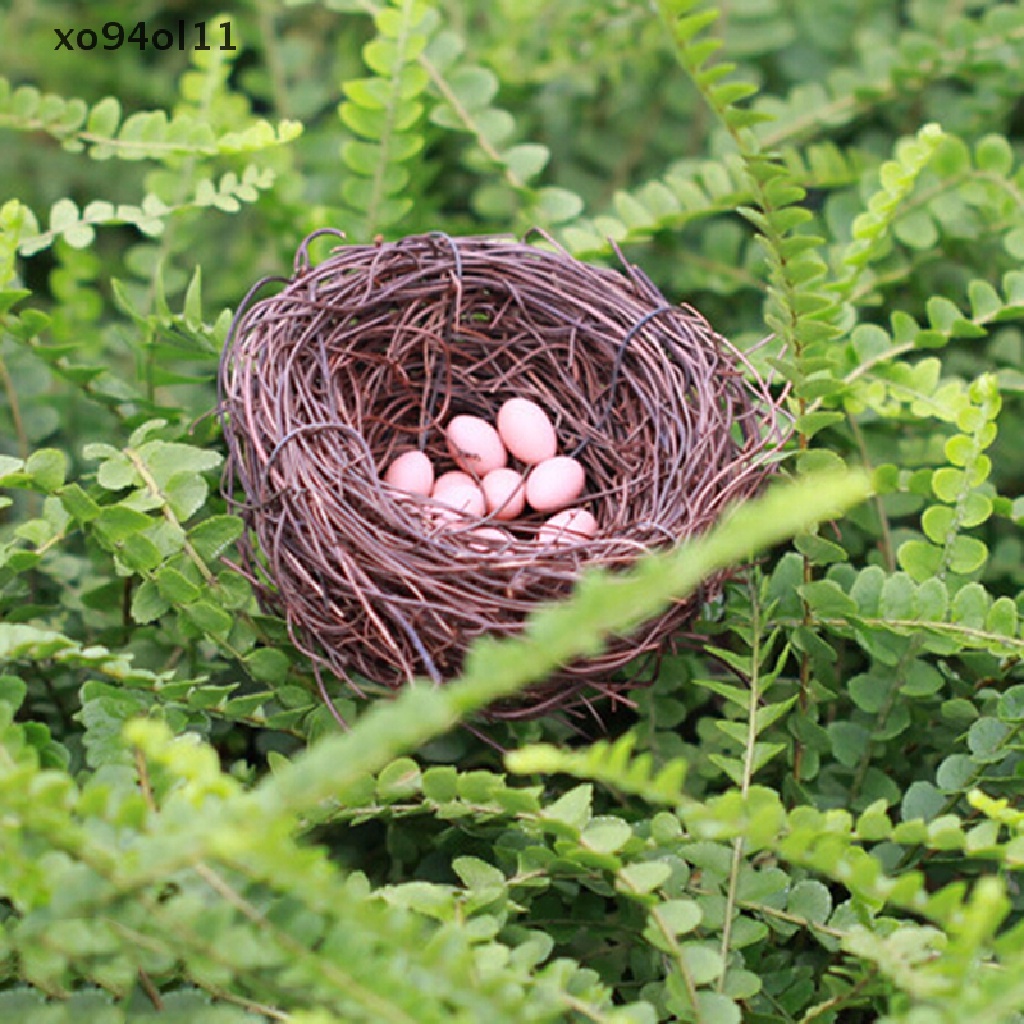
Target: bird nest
(371, 352)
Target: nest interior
(371, 353)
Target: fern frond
(694, 190)
(897, 178)
(613, 764)
(384, 112)
(78, 226)
(963, 502)
(798, 309)
(103, 133)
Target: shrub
(813, 817)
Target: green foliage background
(817, 818)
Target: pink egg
(463, 498)
(475, 445)
(488, 538)
(554, 484)
(504, 493)
(412, 472)
(573, 526)
(526, 430)
(453, 478)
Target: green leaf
(937, 522)
(573, 808)
(955, 773)
(811, 900)
(971, 606)
(175, 587)
(12, 691)
(643, 877)
(959, 450)
(869, 692)
(526, 161)
(922, 680)
(478, 874)
(167, 460)
(212, 536)
(993, 153)
(948, 484)
(78, 504)
(440, 784)
(898, 596)
(605, 834)
(1003, 617)
(820, 550)
(148, 603)
(1011, 704)
(716, 1008)
(474, 87)
(976, 509)
(874, 824)
(185, 493)
(139, 553)
(10, 465)
(827, 599)
(267, 665)
(116, 473)
(209, 618)
(47, 467)
(679, 916)
(104, 117)
(703, 964)
(116, 523)
(556, 205)
(967, 554)
(399, 780)
(849, 742)
(917, 229)
(985, 739)
(921, 800)
(921, 561)
(478, 786)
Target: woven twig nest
(371, 352)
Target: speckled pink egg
(504, 493)
(475, 445)
(412, 472)
(572, 526)
(555, 484)
(526, 431)
(453, 478)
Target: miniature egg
(453, 478)
(526, 431)
(573, 526)
(504, 493)
(554, 484)
(412, 472)
(475, 445)
(466, 498)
